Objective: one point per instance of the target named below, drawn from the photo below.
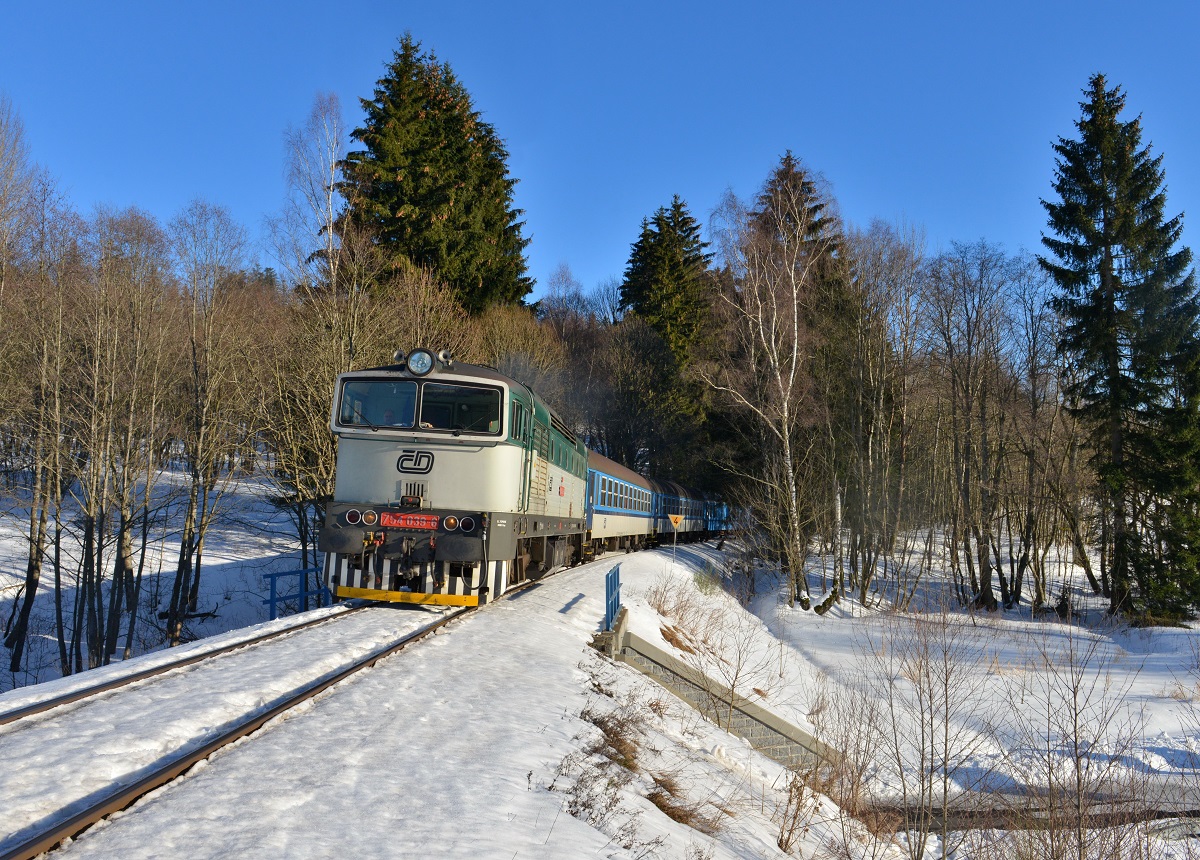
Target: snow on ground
(1137, 690)
(510, 737)
(249, 538)
(124, 733)
(479, 742)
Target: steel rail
(46, 840)
(116, 683)
(126, 795)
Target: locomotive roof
(460, 367)
(465, 370)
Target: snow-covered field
(510, 737)
(250, 538)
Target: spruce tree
(432, 183)
(1127, 300)
(792, 199)
(666, 279)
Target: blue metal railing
(300, 592)
(612, 597)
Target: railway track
(91, 806)
(42, 706)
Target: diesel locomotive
(455, 482)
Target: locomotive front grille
(415, 488)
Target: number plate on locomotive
(408, 521)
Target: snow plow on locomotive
(455, 482)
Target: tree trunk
(15, 640)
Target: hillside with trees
(852, 392)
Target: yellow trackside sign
(675, 519)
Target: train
(455, 483)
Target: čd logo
(415, 462)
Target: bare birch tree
(326, 324)
(778, 254)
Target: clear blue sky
(938, 113)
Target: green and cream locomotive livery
(453, 483)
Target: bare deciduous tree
(936, 719)
(779, 255)
(870, 390)
(37, 348)
(216, 397)
(1072, 735)
(135, 273)
(966, 324)
(16, 185)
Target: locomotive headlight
(369, 518)
(420, 362)
(353, 517)
(450, 523)
(467, 524)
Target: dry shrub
(696, 619)
(1180, 693)
(1072, 744)
(672, 802)
(802, 804)
(620, 732)
(593, 794)
(720, 642)
(594, 778)
(618, 735)
(849, 720)
(658, 707)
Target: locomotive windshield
(460, 407)
(378, 403)
(384, 404)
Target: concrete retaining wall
(767, 733)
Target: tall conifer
(1128, 303)
(432, 182)
(665, 281)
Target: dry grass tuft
(618, 735)
(670, 800)
(677, 638)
